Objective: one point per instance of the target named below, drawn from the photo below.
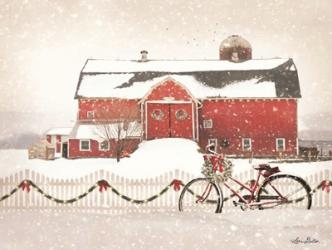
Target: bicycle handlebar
(208, 148)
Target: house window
(280, 144)
(85, 145)
(90, 114)
(246, 144)
(207, 123)
(104, 145)
(214, 143)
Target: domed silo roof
(235, 48)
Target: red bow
(176, 185)
(25, 185)
(103, 185)
(326, 186)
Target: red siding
(74, 149)
(261, 120)
(58, 143)
(169, 89)
(105, 109)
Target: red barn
(247, 106)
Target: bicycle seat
(262, 167)
(267, 169)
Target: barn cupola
(144, 56)
(235, 48)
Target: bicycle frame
(250, 201)
(253, 190)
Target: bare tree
(124, 130)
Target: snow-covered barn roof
(204, 78)
(59, 131)
(103, 131)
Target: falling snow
(43, 47)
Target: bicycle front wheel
(201, 195)
(281, 191)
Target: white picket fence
(108, 202)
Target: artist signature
(307, 240)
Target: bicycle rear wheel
(201, 195)
(281, 191)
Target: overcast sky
(44, 44)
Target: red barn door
(169, 120)
(157, 120)
(181, 122)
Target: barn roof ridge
(186, 59)
(281, 72)
(97, 66)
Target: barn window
(84, 145)
(104, 145)
(214, 143)
(90, 114)
(246, 144)
(280, 144)
(207, 123)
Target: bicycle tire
(289, 186)
(191, 198)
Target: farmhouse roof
(204, 78)
(59, 131)
(104, 131)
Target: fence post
(26, 195)
(326, 197)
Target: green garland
(104, 185)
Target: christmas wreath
(157, 114)
(181, 114)
(224, 143)
(222, 173)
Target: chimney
(144, 56)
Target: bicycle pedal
(235, 203)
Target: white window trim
(108, 146)
(90, 113)
(284, 144)
(82, 149)
(250, 145)
(207, 121)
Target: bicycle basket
(218, 169)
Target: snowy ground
(153, 158)
(272, 229)
(233, 229)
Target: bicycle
(276, 190)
